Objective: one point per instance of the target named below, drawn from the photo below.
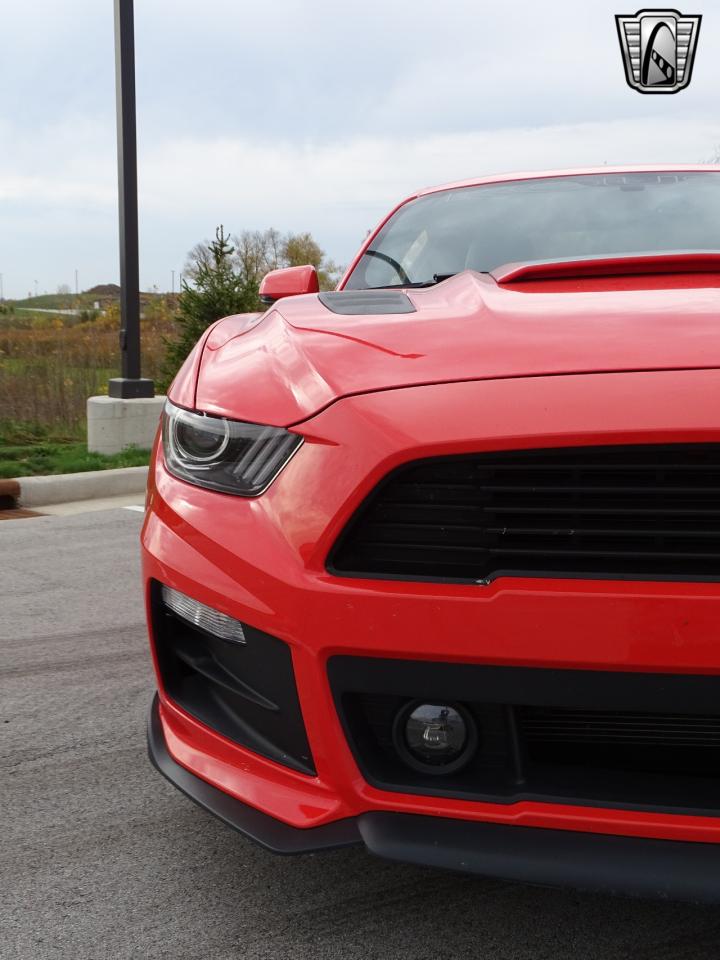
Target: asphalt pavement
(101, 858)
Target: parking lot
(102, 858)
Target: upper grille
(643, 512)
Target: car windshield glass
(483, 227)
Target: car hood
(282, 367)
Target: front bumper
(630, 865)
(263, 562)
(274, 835)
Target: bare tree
(256, 252)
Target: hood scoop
(367, 303)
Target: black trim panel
(245, 691)
(693, 693)
(664, 869)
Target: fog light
(202, 616)
(436, 738)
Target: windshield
(553, 218)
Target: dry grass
(49, 366)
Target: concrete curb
(67, 487)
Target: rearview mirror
(288, 282)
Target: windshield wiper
(437, 278)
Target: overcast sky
(307, 116)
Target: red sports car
(432, 561)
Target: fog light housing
(203, 617)
(435, 737)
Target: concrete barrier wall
(114, 424)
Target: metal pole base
(126, 388)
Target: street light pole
(130, 384)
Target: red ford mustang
(432, 562)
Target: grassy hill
(55, 301)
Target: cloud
(319, 118)
(337, 189)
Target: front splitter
(666, 869)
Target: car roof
(579, 171)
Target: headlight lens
(225, 455)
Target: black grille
(649, 741)
(634, 742)
(599, 728)
(626, 511)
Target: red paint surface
(289, 282)
(301, 357)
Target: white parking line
(136, 506)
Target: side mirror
(288, 282)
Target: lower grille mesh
(541, 725)
(626, 511)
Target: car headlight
(225, 455)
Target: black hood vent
(364, 303)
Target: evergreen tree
(217, 290)
(224, 276)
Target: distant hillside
(54, 301)
(103, 294)
(104, 290)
